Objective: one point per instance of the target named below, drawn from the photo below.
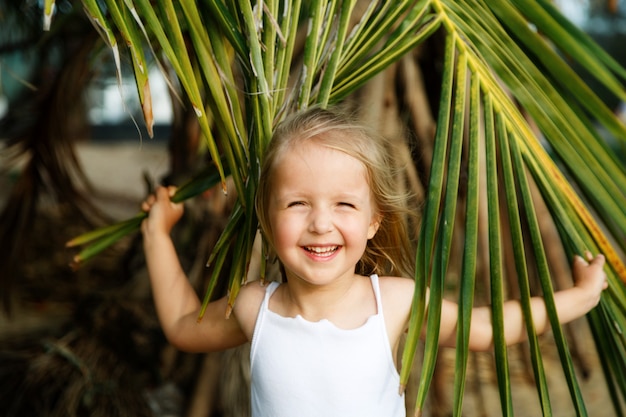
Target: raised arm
(571, 303)
(176, 301)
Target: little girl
(323, 342)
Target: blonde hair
(390, 251)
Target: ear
(374, 225)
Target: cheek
(357, 231)
(280, 237)
(283, 231)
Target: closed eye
(345, 204)
(295, 203)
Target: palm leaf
(426, 244)
(468, 271)
(515, 178)
(497, 72)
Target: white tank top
(302, 368)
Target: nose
(320, 221)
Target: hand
(589, 276)
(162, 212)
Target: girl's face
(321, 213)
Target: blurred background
(74, 155)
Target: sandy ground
(117, 170)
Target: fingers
(148, 203)
(160, 194)
(164, 192)
(162, 212)
(598, 260)
(589, 259)
(598, 263)
(589, 271)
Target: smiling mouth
(321, 251)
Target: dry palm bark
(41, 129)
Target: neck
(317, 300)
(346, 303)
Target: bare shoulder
(247, 305)
(394, 287)
(396, 296)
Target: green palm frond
(503, 66)
(478, 39)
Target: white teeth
(322, 251)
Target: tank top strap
(268, 293)
(261, 316)
(376, 287)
